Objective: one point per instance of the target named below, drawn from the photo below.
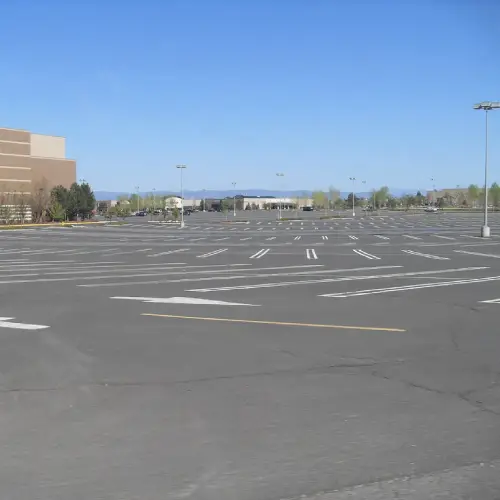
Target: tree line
(46, 205)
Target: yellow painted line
(279, 323)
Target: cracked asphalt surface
(345, 380)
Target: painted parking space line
(6, 323)
(411, 237)
(443, 237)
(324, 237)
(271, 238)
(366, 255)
(480, 254)
(381, 237)
(278, 323)
(425, 255)
(245, 239)
(311, 254)
(491, 301)
(353, 237)
(335, 280)
(260, 253)
(184, 300)
(297, 238)
(416, 286)
(222, 239)
(169, 252)
(210, 254)
(198, 239)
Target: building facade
(31, 161)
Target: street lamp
(137, 190)
(486, 106)
(154, 201)
(234, 199)
(363, 182)
(281, 175)
(182, 167)
(353, 179)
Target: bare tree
(40, 202)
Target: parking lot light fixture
(234, 199)
(486, 106)
(182, 167)
(353, 179)
(280, 175)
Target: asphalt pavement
(253, 359)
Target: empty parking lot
(255, 359)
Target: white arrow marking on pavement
(182, 300)
(5, 323)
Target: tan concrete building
(30, 161)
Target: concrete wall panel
(7, 134)
(15, 148)
(48, 146)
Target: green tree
(348, 201)
(175, 213)
(320, 199)
(87, 201)
(473, 194)
(74, 201)
(494, 194)
(392, 202)
(381, 196)
(57, 212)
(334, 195)
(60, 195)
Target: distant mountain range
(214, 193)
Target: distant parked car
(142, 213)
(431, 209)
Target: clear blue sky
(240, 89)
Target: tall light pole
(182, 167)
(154, 201)
(486, 106)
(353, 179)
(234, 199)
(280, 175)
(137, 191)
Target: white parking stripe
(353, 237)
(381, 237)
(479, 253)
(411, 237)
(366, 254)
(324, 237)
(443, 237)
(209, 254)
(271, 238)
(416, 286)
(169, 252)
(311, 254)
(426, 255)
(297, 238)
(334, 280)
(245, 239)
(260, 253)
